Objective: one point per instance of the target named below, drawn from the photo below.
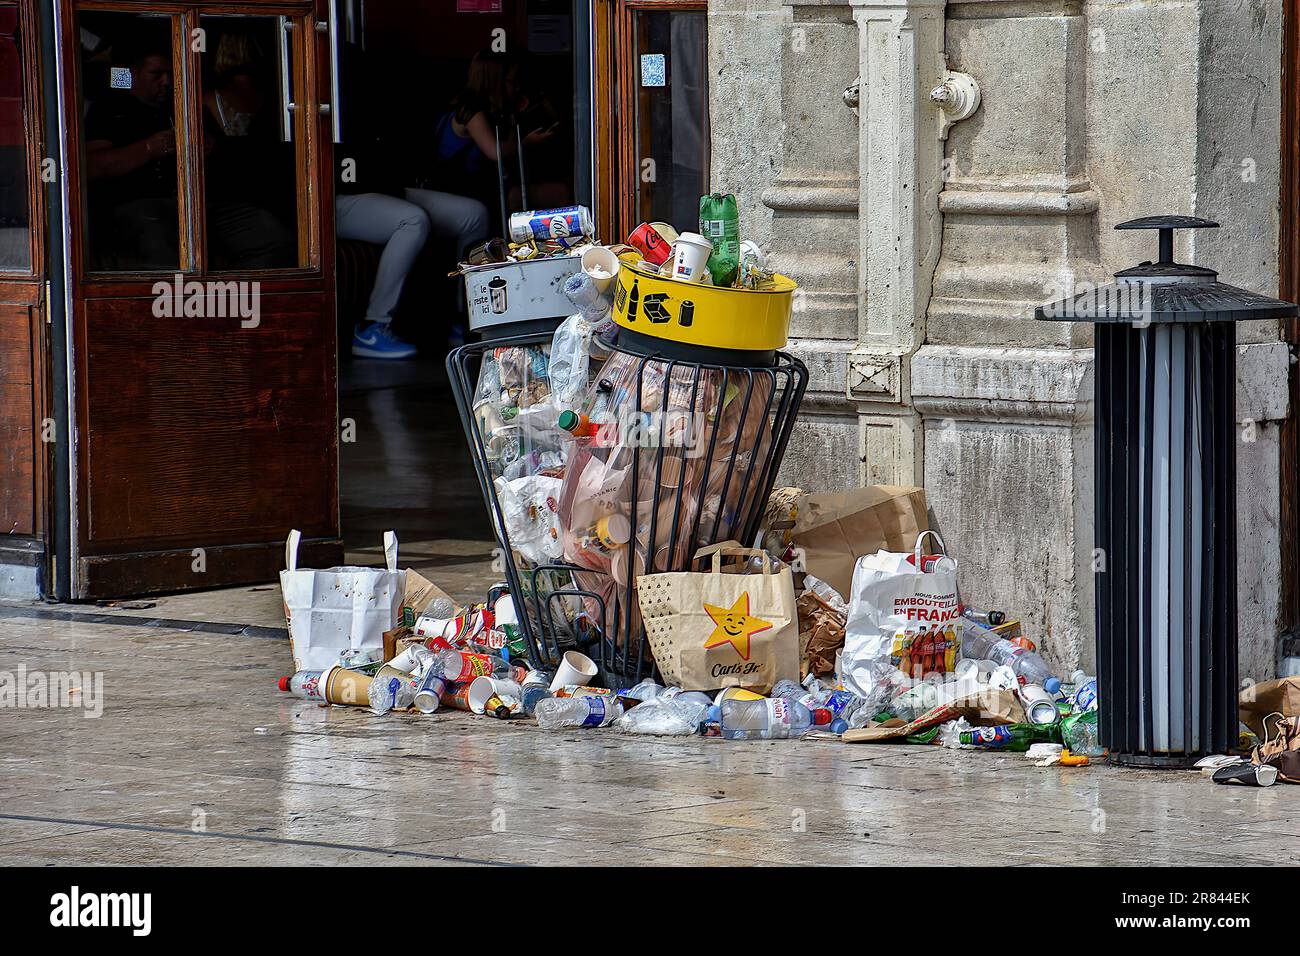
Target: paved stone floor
(198, 759)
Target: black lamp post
(1165, 423)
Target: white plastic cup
(691, 254)
(575, 668)
(749, 250)
(601, 265)
(483, 689)
(412, 659)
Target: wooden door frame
(26, 544)
(112, 572)
(616, 163)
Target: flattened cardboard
(834, 529)
(985, 709)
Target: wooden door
(204, 361)
(25, 431)
(651, 108)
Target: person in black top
(250, 185)
(131, 164)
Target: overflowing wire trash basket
(680, 493)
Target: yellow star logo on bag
(734, 626)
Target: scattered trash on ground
(657, 582)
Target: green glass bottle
(1013, 738)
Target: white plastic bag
(900, 616)
(334, 611)
(570, 357)
(530, 508)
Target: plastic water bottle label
(778, 709)
(595, 712)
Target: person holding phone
(484, 114)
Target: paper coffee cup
(691, 254)
(483, 689)
(342, 686)
(456, 696)
(601, 265)
(575, 668)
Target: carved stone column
(814, 207)
(900, 46)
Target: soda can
(566, 226)
(1040, 706)
(1085, 697)
(430, 692)
(654, 240)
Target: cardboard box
(834, 529)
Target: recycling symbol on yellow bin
(653, 306)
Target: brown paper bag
(1281, 696)
(985, 709)
(713, 629)
(821, 634)
(419, 594)
(833, 530)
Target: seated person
(248, 171)
(372, 205)
(131, 162)
(484, 113)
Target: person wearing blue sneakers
(401, 226)
(372, 205)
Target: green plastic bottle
(720, 224)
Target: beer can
(566, 226)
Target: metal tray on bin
(509, 293)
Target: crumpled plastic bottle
(671, 717)
(950, 733)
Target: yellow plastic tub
(691, 313)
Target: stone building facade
(923, 241)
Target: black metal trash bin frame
(622, 656)
(1165, 447)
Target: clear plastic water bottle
(440, 608)
(769, 718)
(536, 688)
(304, 684)
(796, 693)
(982, 644)
(646, 690)
(558, 713)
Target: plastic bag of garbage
(670, 717)
(570, 358)
(528, 505)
